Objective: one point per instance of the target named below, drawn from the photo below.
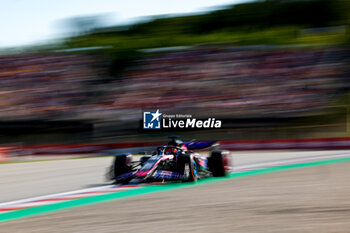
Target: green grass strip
(154, 188)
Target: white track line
(56, 195)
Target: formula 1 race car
(173, 162)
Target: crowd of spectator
(234, 81)
(207, 81)
(37, 86)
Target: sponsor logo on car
(160, 174)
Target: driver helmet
(171, 151)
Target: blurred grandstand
(44, 86)
(237, 81)
(225, 81)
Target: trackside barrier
(310, 143)
(5, 153)
(274, 144)
(83, 148)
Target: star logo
(156, 115)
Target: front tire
(187, 166)
(121, 165)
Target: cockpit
(168, 150)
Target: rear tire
(217, 162)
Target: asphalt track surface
(27, 180)
(313, 194)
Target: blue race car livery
(173, 162)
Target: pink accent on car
(142, 173)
